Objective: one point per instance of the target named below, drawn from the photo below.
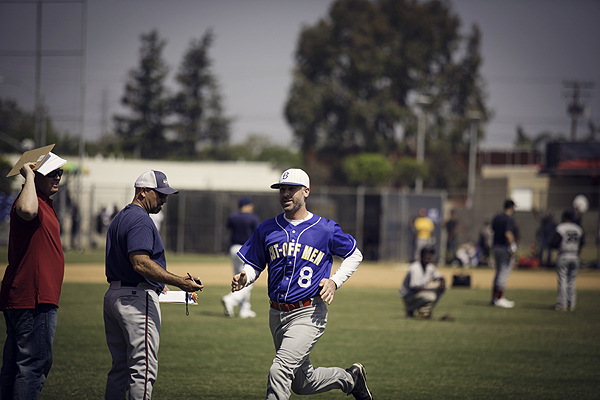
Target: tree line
(356, 101)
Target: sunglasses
(161, 195)
(55, 173)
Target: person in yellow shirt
(423, 227)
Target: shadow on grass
(477, 303)
(538, 306)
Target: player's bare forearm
(143, 265)
(239, 281)
(328, 288)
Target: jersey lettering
(294, 248)
(306, 252)
(273, 252)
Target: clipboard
(31, 156)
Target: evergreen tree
(198, 103)
(143, 132)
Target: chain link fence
(380, 219)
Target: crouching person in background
(423, 286)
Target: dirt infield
(368, 275)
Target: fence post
(181, 222)
(383, 224)
(360, 215)
(404, 218)
(92, 219)
(219, 221)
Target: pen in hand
(195, 280)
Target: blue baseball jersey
(298, 256)
(132, 229)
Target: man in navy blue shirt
(505, 246)
(241, 224)
(136, 269)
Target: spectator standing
(241, 224)
(106, 216)
(423, 227)
(451, 236)
(545, 234)
(423, 286)
(505, 247)
(75, 227)
(485, 242)
(568, 239)
(32, 284)
(136, 269)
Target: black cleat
(360, 390)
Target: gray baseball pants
(567, 267)
(132, 323)
(295, 333)
(504, 266)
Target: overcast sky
(530, 48)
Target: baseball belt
(290, 306)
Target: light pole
(423, 101)
(474, 116)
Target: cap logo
(165, 182)
(285, 175)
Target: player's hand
(239, 281)
(328, 288)
(191, 284)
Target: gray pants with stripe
(132, 323)
(295, 333)
(567, 267)
(504, 266)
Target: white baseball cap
(155, 180)
(294, 177)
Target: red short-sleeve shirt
(36, 264)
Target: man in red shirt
(31, 286)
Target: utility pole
(39, 135)
(575, 107)
(423, 101)
(474, 118)
(104, 113)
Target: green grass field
(529, 352)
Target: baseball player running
(568, 239)
(298, 248)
